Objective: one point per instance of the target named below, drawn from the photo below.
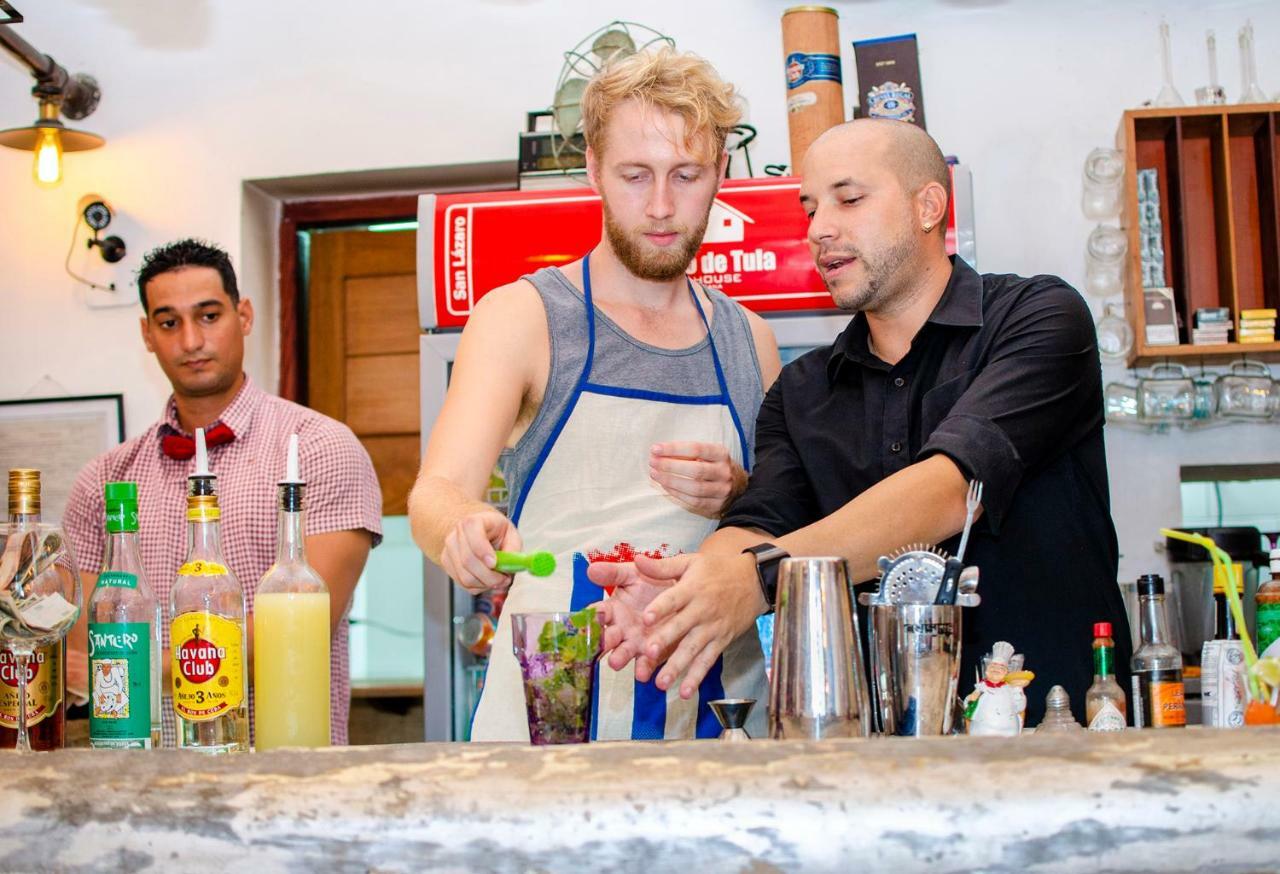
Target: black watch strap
(767, 557)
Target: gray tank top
(623, 361)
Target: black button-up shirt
(1004, 380)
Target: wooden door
(362, 348)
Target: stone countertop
(1136, 801)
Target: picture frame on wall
(58, 437)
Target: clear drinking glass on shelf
(1121, 402)
(39, 598)
(1245, 391)
(1103, 184)
(1115, 337)
(1167, 394)
(1104, 261)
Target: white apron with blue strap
(588, 492)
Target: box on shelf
(1161, 317)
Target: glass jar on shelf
(1115, 337)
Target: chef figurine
(996, 705)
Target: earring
(927, 228)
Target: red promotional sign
(468, 244)
(754, 249)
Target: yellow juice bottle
(291, 635)
(291, 669)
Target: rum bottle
(124, 635)
(210, 681)
(47, 667)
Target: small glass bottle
(210, 677)
(1104, 704)
(1158, 693)
(124, 635)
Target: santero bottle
(124, 635)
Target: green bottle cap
(121, 501)
(120, 492)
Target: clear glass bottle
(124, 635)
(47, 668)
(1105, 706)
(1158, 693)
(291, 634)
(210, 677)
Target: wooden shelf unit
(1219, 176)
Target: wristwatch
(767, 557)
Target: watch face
(97, 215)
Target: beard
(880, 268)
(642, 259)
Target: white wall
(200, 95)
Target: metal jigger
(732, 714)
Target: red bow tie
(181, 447)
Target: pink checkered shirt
(342, 494)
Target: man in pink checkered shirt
(195, 323)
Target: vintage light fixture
(59, 94)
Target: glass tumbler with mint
(557, 653)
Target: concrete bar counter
(1139, 801)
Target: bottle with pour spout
(47, 671)
(291, 633)
(207, 635)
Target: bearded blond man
(618, 396)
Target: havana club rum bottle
(47, 669)
(124, 636)
(207, 635)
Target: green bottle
(124, 636)
(1268, 617)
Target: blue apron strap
(724, 386)
(573, 398)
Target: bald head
(902, 147)
(875, 192)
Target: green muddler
(540, 564)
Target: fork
(947, 589)
(971, 502)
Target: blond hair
(678, 82)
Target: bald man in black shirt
(942, 376)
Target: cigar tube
(815, 95)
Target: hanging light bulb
(49, 138)
(47, 166)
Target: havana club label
(207, 667)
(120, 684)
(200, 568)
(44, 686)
